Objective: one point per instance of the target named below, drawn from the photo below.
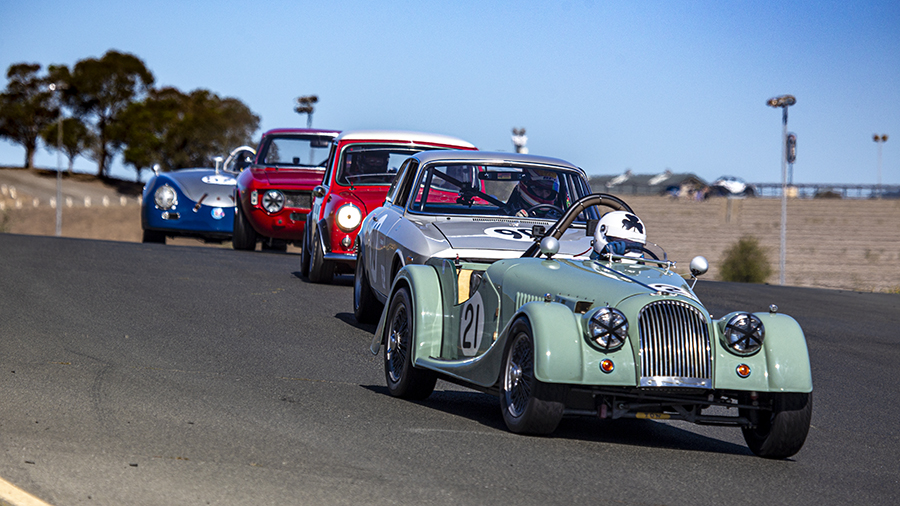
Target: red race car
(274, 194)
(359, 172)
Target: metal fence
(843, 191)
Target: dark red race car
(359, 172)
(274, 194)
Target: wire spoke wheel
(403, 379)
(529, 406)
(519, 376)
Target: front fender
(558, 356)
(425, 294)
(781, 366)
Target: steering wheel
(553, 211)
(568, 216)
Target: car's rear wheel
(529, 406)
(153, 236)
(366, 307)
(403, 380)
(320, 270)
(782, 431)
(304, 253)
(244, 236)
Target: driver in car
(536, 188)
(367, 163)
(619, 233)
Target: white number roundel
(471, 325)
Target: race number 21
(471, 325)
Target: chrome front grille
(675, 350)
(297, 200)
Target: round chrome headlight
(348, 217)
(165, 197)
(273, 201)
(744, 334)
(607, 329)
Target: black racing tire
(366, 308)
(529, 406)
(244, 236)
(320, 270)
(403, 379)
(153, 236)
(781, 432)
(304, 252)
(273, 245)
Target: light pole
(784, 101)
(879, 139)
(58, 87)
(519, 140)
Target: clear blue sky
(608, 86)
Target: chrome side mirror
(549, 246)
(319, 191)
(699, 266)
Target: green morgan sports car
(617, 335)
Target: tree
(26, 107)
(77, 138)
(99, 90)
(180, 130)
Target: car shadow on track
(339, 279)
(485, 410)
(350, 319)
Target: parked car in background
(471, 206)
(274, 194)
(191, 202)
(617, 335)
(730, 186)
(361, 168)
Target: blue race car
(192, 202)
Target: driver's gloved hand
(617, 247)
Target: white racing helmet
(619, 226)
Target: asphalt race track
(159, 375)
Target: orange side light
(607, 365)
(743, 370)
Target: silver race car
(465, 206)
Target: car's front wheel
(529, 405)
(320, 270)
(304, 253)
(366, 307)
(244, 236)
(403, 380)
(782, 431)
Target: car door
(317, 201)
(385, 244)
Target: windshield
(298, 151)
(367, 164)
(501, 190)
